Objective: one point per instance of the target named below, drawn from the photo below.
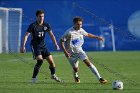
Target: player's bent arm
(54, 39)
(94, 36)
(24, 42)
(63, 46)
(64, 49)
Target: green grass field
(16, 72)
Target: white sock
(95, 71)
(75, 74)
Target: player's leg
(94, 70)
(47, 55)
(75, 63)
(37, 65)
(36, 55)
(52, 68)
(51, 64)
(75, 72)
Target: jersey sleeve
(30, 28)
(83, 32)
(65, 36)
(47, 27)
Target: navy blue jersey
(38, 33)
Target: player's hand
(22, 50)
(57, 47)
(101, 38)
(67, 55)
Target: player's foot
(34, 80)
(54, 77)
(102, 81)
(77, 80)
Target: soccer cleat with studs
(77, 80)
(103, 81)
(54, 77)
(34, 80)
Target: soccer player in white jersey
(71, 43)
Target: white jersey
(74, 40)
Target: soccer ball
(117, 85)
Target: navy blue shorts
(40, 51)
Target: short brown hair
(39, 12)
(76, 19)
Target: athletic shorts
(40, 51)
(75, 56)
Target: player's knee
(39, 57)
(88, 63)
(75, 69)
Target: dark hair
(39, 12)
(76, 19)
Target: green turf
(16, 72)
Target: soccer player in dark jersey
(38, 30)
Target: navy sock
(52, 69)
(36, 68)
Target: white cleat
(54, 77)
(34, 80)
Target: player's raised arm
(23, 49)
(94, 36)
(54, 40)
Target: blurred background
(118, 21)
